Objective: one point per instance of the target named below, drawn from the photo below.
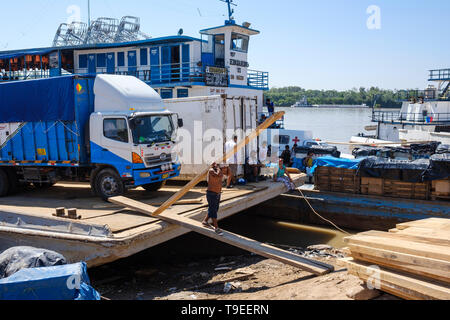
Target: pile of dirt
(245, 277)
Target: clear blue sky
(320, 44)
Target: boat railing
(258, 79)
(425, 95)
(163, 73)
(424, 117)
(152, 74)
(19, 75)
(439, 75)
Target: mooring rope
(315, 212)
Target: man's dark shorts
(213, 204)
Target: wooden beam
(276, 116)
(398, 283)
(428, 267)
(433, 251)
(264, 250)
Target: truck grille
(154, 161)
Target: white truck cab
(132, 131)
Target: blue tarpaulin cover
(336, 163)
(16, 54)
(37, 100)
(66, 282)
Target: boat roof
(236, 28)
(42, 51)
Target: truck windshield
(151, 129)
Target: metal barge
(107, 232)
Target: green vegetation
(287, 96)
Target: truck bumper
(148, 176)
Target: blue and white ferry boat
(176, 66)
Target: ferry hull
(353, 212)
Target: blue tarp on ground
(66, 282)
(37, 100)
(336, 163)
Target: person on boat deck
(282, 175)
(270, 107)
(214, 178)
(308, 163)
(263, 118)
(253, 167)
(286, 155)
(263, 153)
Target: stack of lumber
(411, 261)
(337, 180)
(395, 188)
(440, 189)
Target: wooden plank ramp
(315, 267)
(411, 261)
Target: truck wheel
(13, 181)
(109, 184)
(4, 183)
(154, 186)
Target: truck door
(111, 63)
(115, 148)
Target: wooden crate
(395, 188)
(440, 189)
(372, 186)
(337, 180)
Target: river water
(329, 124)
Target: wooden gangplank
(315, 267)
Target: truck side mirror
(180, 123)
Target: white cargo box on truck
(211, 120)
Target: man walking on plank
(215, 178)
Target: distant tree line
(288, 96)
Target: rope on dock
(315, 212)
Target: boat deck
(107, 232)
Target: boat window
(207, 46)
(281, 139)
(82, 61)
(121, 59)
(115, 129)
(182, 93)
(239, 42)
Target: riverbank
(235, 277)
